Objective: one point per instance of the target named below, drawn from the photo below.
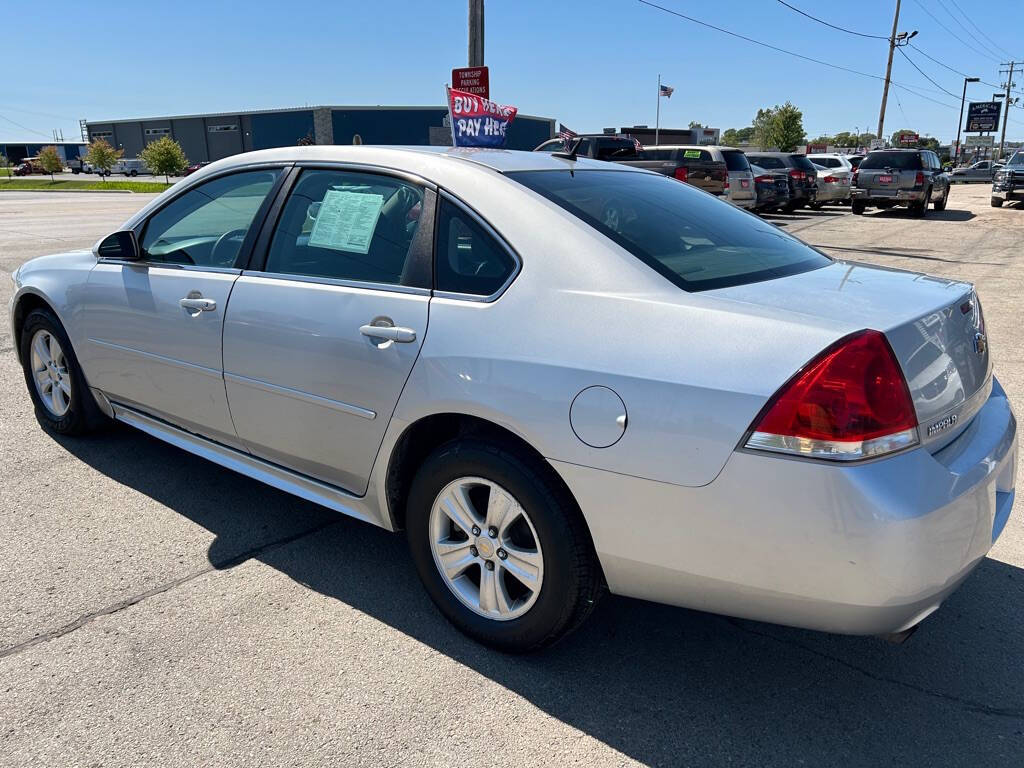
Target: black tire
(857, 207)
(815, 206)
(920, 210)
(82, 415)
(135, 173)
(997, 202)
(940, 204)
(572, 581)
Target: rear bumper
(830, 194)
(864, 549)
(888, 196)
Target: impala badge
(942, 424)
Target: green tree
(164, 156)
(779, 126)
(733, 137)
(823, 140)
(102, 156)
(695, 124)
(49, 161)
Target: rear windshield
(617, 149)
(691, 238)
(898, 161)
(801, 162)
(736, 161)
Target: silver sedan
(558, 376)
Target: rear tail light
(726, 187)
(798, 175)
(829, 179)
(682, 173)
(919, 179)
(850, 402)
(763, 179)
(855, 172)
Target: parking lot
(158, 609)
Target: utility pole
(476, 33)
(888, 70)
(1007, 103)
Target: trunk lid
(934, 325)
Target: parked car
(855, 160)
(789, 456)
(702, 166)
(981, 171)
(74, 164)
(833, 161)
(772, 189)
(90, 168)
(833, 186)
(912, 178)
(195, 167)
(1008, 183)
(802, 176)
(695, 165)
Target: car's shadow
(902, 213)
(661, 685)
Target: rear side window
(348, 226)
(616, 149)
(736, 161)
(801, 162)
(899, 161)
(469, 260)
(658, 154)
(692, 239)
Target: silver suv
(906, 177)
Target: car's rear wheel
(858, 207)
(500, 546)
(940, 204)
(920, 209)
(55, 382)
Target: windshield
(1017, 159)
(898, 161)
(691, 238)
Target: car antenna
(569, 154)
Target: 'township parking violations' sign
(478, 122)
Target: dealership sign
(983, 116)
(908, 138)
(474, 80)
(478, 122)
(980, 141)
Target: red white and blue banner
(478, 122)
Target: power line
(822, 21)
(980, 30)
(965, 29)
(26, 128)
(953, 34)
(905, 56)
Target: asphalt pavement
(158, 610)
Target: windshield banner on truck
(478, 122)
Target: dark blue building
(17, 151)
(213, 136)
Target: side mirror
(120, 245)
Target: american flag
(566, 135)
(666, 91)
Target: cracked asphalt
(158, 610)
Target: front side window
(695, 241)
(348, 225)
(469, 260)
(767, 161)
(616, 149)
(207, 225)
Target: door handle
(197, 304)
(389, 332)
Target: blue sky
(589, 64)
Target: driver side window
(206, 225)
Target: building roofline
(44, 142)
(311, 108)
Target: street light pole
(960, 124)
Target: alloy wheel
(486, 548)
(50, 373)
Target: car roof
(422, 160)
(774, 154)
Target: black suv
(803, 179)
(907, 177)
(1008, 183)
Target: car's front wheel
(55, 382)
(500, 545)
